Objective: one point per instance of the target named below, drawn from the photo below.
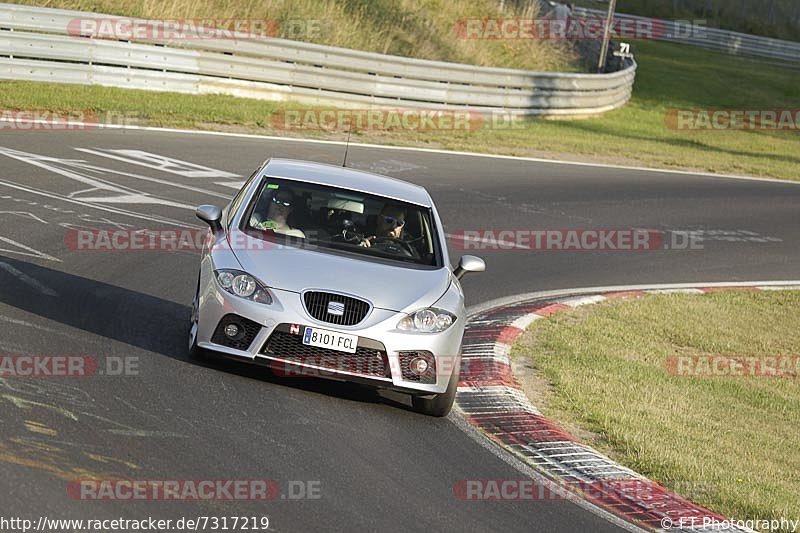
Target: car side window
(233, 207)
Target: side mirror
(469, 263)
(211, 215)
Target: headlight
(242, 285)
(427, 321)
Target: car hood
(396, 288)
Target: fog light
(418, 366)
(231, 330)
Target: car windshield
(318, 216)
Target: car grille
(247, 332)
(355, 310)
(368, 360)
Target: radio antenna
(347, 146)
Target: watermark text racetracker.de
(187, 29)
(609, 490)
(193, 489)
(575, 239)
(734, 366)
(392, 119)
(166, 240)
(732, 119)
(28, 120)
(66, 365)
(421, 365)
(138, 239)
(576, 28)
(514, 490)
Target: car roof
(348, 178)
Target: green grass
(669, 76)
(730, 443)
(413, 28)
(772, 18)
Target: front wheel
(195, 352)
(440, 404)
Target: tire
(195, 352)
(440, 404)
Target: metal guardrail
(41, 44)
(726, 41)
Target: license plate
(323, 338)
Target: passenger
(280, 206)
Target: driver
(280, 206)
(389, 224)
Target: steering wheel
(350, 235)
(415, 240)
(391, 244)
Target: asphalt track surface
(377, 464)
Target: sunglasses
(399, 222)
(285, 204)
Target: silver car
(322, 271)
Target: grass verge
(776, 18)
(729, 443)
(415, 28)
(670, 76)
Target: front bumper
(376, 330)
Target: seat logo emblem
(335, 308)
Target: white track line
(148, 178)
(508, 300)
(30, 251)
(119, 211)
(27, 280)
(420, 150)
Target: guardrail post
(601, 64)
